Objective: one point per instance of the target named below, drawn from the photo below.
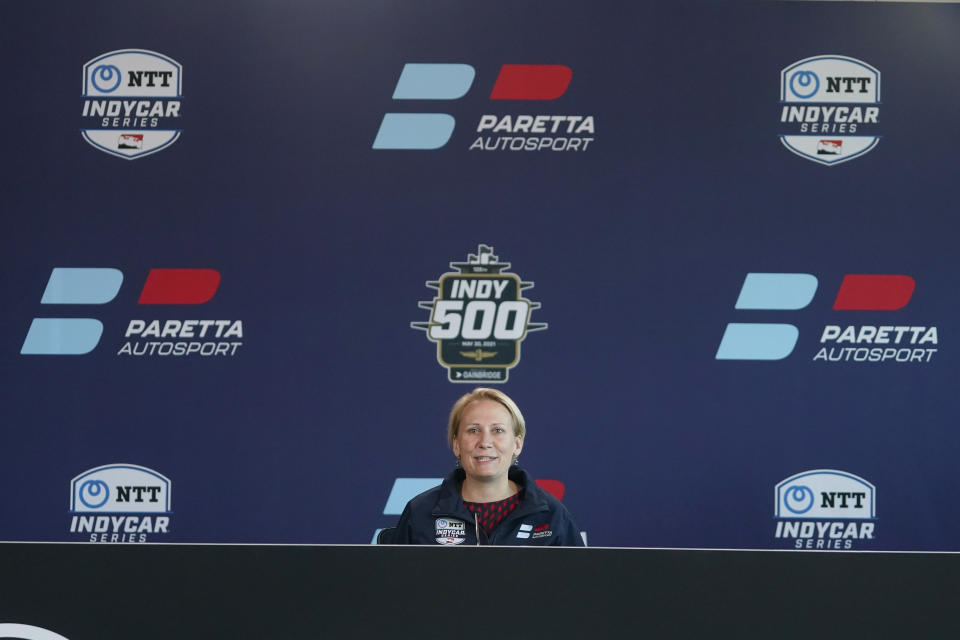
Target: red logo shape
(874, 292)
(180, 286)
(553, 487)
(531, 82)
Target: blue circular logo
(90, 492)
(804, 84)
(798, 499)
(105, 74)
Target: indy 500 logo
(479, 318)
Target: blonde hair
(484, 393)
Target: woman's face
(485, 442)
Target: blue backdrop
(638, 247)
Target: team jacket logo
(829, 108)
(119, 503)
(534, 532)
(825, 509)
(479, 318)
(131, 102)
(450, 531)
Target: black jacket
(438, 516)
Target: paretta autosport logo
(120, 503)
(891, 340)
(190, 335)
(830, 108)
(514, 131)
(479, 318)
(529, 531)
(131, 102)
(825, 509)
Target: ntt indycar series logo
(495, 131)
(479, 318)
(825, 509)
(830, 108)
(450, 531)
(891, 340)
(120, 503)
(144, 336)
(131, 102)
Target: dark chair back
(386, 535)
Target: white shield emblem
(450, 531)
(131, 102)
(830, 108)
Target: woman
(487, 499)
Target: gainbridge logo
(893, 341)
(495, 132)
(143, 336)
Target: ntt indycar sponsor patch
(450, 531)
(830, 108)
(825, 509)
